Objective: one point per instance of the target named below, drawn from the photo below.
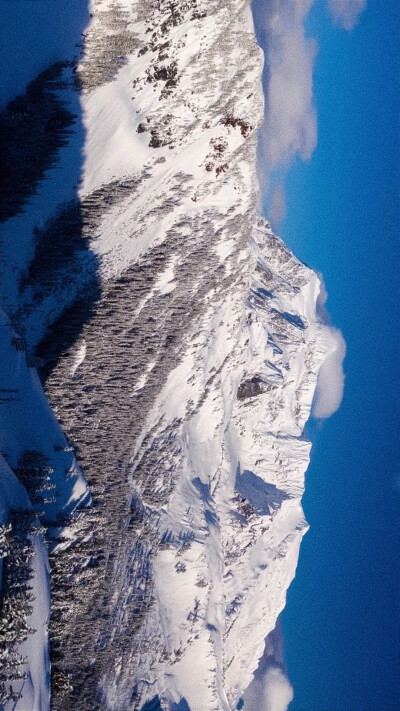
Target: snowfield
(178, 343)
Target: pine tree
(34, 473)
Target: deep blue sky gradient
(341, 625)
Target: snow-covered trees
(16, 551)
(34, 472)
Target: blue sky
(342, 623)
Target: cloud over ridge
(270, 689)
(290, 130)
(330, 382)
(272, 692)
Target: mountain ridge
(179, 344)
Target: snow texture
(179, 342)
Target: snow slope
(179, 345)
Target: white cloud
(277, 206)
(278, 692)
(271, 692)
(270, 689)
(346, 12)
(290, 124)
(330, 383)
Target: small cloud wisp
(330, 382)
(346, 13)
(277, 206)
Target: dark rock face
(251, 387)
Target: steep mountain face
(178, 344)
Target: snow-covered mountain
(178, 343)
